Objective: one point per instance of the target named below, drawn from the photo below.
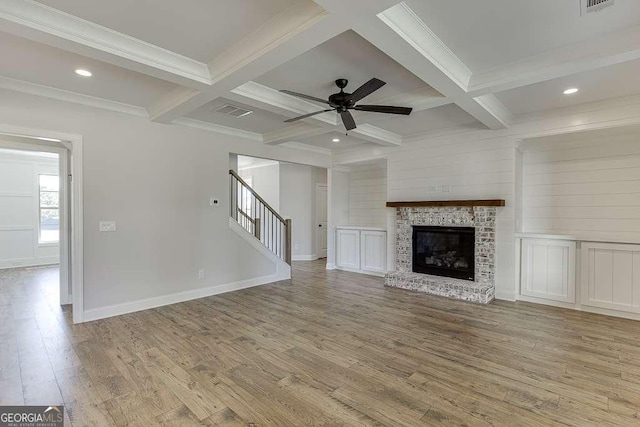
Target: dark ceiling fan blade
(295, 119)
(366, 89)
(302, 95)
(347, 119)
(387, 109)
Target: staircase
(259, 219)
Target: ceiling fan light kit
(342, 102)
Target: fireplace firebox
(444, 251)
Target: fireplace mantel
(442, 203)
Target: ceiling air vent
(588, 6)
(232, 110)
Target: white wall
(585, 186)
(19, 209)
(298, 202)
(155, 180)
(368, 196)
(338, 207)
(266, 182)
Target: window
(49, 208)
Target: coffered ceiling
(458, 64)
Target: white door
(321, 219)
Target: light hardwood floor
(328, 348)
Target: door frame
(71, 213)
(320, 254)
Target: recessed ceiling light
(571, 91)
(335, 140)
(83, 73)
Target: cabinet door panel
(610, 276)
(348, 249)
(548, 269)
(373, 251)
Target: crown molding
(212, 127)
(300, 16)
(298, 29)
(45, 24)
(404, 21)
(588, 55)
(306, 147)
(68, 96)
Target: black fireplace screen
(444, 251)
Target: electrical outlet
(200, 274)
(445, 189)
(432, 188)
(214, 202)
(107, 226)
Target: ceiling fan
(342, 102)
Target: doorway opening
(40, 257)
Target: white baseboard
(145, 304)
(331, 266)
(29, 262)
(506, 296)
(304, 257)
(579, 307)
(353, 270)
(282, 272)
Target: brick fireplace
(442, 254)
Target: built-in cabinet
(599, 275)
(362, 250)
(548, 269)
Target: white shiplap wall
(368, 196)
(587, 187)
(473, 170)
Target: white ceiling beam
(294, 132)
(41, 23)
(300, 28)
(565, 61)
(264, 97)
(402, 35)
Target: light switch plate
(107, 226)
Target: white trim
(306, 147)
(579, 307)
(77, 228)
(331, 266)
(283, 270)
(404, 21)
(68, 96)
(212, 127)
(355, 270)
(51, 26)
(304, 257)
(506, 295)
(29, 262)
(145, 304)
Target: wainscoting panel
(611, 276)
(548, 269)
